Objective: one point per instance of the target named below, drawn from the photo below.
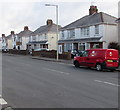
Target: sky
(15, 14)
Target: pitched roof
(118, 20)
(45, 29)
(25, 33)
(9, 36)
(93, 19)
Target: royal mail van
(98, 58)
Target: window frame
(97, 30)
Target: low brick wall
(4, 51)
(65, 56)
(52, 54)
(20, 52)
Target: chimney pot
(26, 28)
(93, 9)
(3, 35)
(12, 32)
(49, 22)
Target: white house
(0, 43)
(4, 42)
(23, 38)
(11, 41)
(44, 37)
(95, 30)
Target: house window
(68, 47)
(82, 31)
(3, 41)
(14, 39)
(85, 31)
(97, 29)
(33, 38)
(29, 38)
(63, 35)
(45, 36)
(71, 33)
(82, 46)
(41, 45)
(18, 39)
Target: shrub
(114, 45)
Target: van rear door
(111, 54)
(112, 58)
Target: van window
(85, 54)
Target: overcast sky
(15, 14)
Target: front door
(60, 49)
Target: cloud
(33, 13)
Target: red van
(98, 58)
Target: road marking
(57, 71)
(2, 101)
(105, 82)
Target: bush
(114, 45)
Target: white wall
(91, 32)
(77, 33)
(110, 34)
(25, 40)
(52, 39)
(9, 41)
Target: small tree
(114, 45)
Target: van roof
(100, 49)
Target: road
(32, 83)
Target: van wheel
(76, 63)
(99, 67)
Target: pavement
(60, 60)
(54, 60)
(31, 83)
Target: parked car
(76, 52)
(40, 49)
(98, 58)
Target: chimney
(12, 33)
(49, 22)
(26, 28)
(93, 9)
(3, 35)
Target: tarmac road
(32, 83)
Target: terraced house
(44, 37)
(90, 31)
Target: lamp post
(56, 24)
